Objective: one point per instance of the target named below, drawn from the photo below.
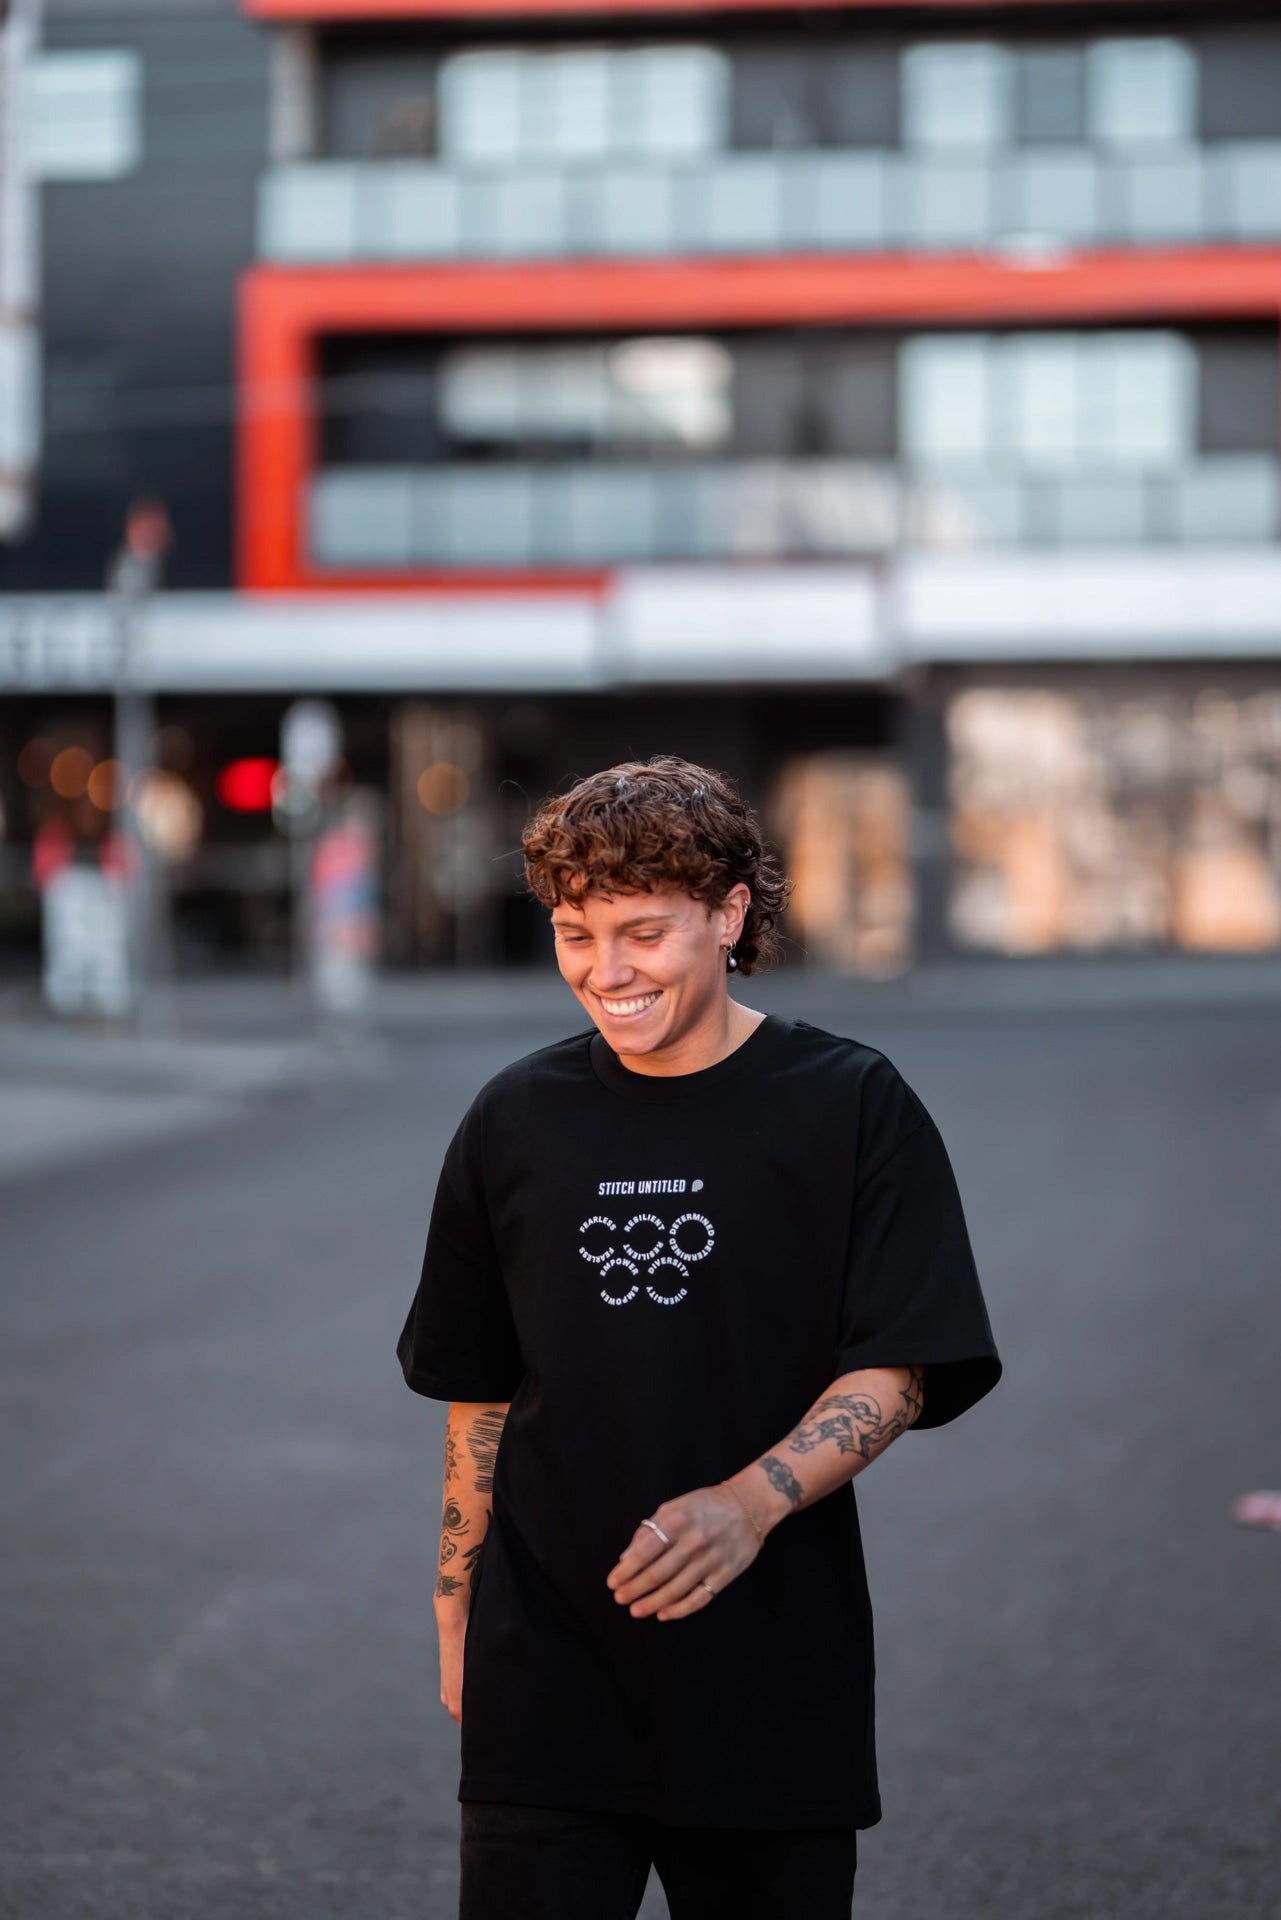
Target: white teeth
(629, 1006)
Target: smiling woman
(655, 1248)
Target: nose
(610, 971)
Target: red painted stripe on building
(285, 310)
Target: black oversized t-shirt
(662, 1274)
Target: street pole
(132, 579)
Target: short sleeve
(912, 1293)
(459, 1341)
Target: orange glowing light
(69, 773)
(106, 785)
(34, 761)
(443, 787)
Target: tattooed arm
(472, 1432)
(714, 1533)
(845, 1429)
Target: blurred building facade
(881, 402)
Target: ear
(734, 907)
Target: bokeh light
(34, 761)
(106, 785)
(69, 772)
(443, 787)
(169, 814)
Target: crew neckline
(668, 1086)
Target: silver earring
(730, 961)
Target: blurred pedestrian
(687, 1274)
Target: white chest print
(646, 1245)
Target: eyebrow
(638, 920)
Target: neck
(718, 1033)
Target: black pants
(557, 1863)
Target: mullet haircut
(648, 824)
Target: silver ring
(653, 1524)
(711, 1590)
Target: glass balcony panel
(623, 210)
(1097, 510)
(409, 212)
(430, 533)
(1049, 96)
(1053, 195)
(1229, 499)
(957, 95)
(743, 205)
(839, 507)
(753, 508)
(610, 514)
(310, 212)
(1165, 199)
(1252, 182)
(965, 509)
(839, 201)
(488, 516)
(514, 215)
(947, 203)
(362, 517)
(945, 399)
(1141, 93)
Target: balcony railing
(1060, 198)
(608, 514)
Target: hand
(452, 1637)
(712, 1538)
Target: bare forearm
(853, 1421)
(472, 1432)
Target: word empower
(650, 1243)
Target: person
(687, 1273)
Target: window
(86, 115)
(1053, 401)
(1240, 392)
(1049, 96)
(856, 94)
(945, 399)
(957, 95)
(378, 103)
(1142, 92)
(1139, 399)
(1241, 85)
(648, 391)
(504, 107)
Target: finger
(702, 1566)
(692, 1603)
(656, 1573)
(644, 1546)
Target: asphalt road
(219, 1502)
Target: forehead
(619, 909)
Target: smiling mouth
(628, 1009)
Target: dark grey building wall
(139, 291)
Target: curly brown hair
(662, 822)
